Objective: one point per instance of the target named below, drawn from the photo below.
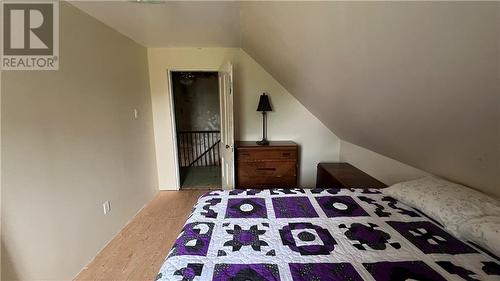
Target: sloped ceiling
(415, 81)
(170, 24)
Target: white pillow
(484, 231)
(448, 203)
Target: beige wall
(289, 121)
(1, 185)
(70, 142)
(387, 170)
(414, 81)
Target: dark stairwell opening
(197, 119)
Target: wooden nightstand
(266, 166)
(344, 175)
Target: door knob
(227, 146)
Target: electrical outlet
(106, 206)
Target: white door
(227, 125)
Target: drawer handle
(245, 154)
(266, 169)
(286, 154)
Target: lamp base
(263, 142)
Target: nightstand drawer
(275, 169)
(270, 174)
(245, 155)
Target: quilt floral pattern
(318, 235)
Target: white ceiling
(170, 24)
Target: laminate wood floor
(138, 251)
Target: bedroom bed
(318, 235)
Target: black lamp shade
(264, 104)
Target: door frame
(226, 97)
(172, 114)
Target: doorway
(198, 128)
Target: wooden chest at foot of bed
(266, 166)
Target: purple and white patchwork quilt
(318, 235)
